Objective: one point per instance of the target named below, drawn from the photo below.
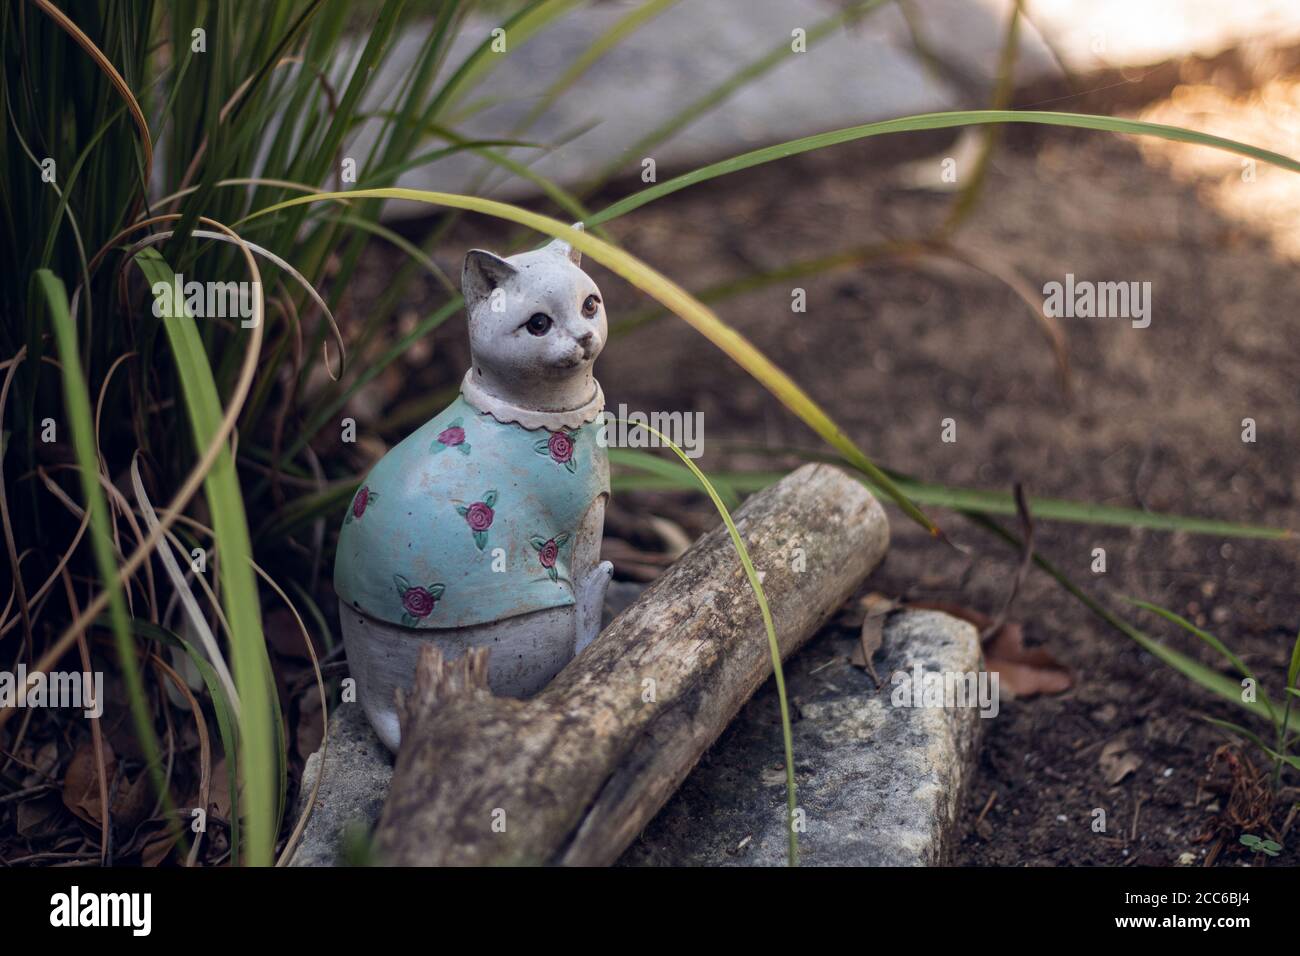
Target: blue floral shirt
(469, 520)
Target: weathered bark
(572, 775)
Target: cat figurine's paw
(591, 604)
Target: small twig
(1214, 852)
(27, 792)
(1026, 559)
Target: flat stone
(879, 784)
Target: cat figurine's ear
(564, 249)
(483, 272)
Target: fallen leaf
(133, 802)
(81, 782)
(35, 816)
(43, 763)
(1022, 671)
(308, 734)
(158, 846)
(877, 608)
(1117, 761)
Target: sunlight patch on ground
(1265, 198)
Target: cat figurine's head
(536, 324)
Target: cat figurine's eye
(538, 324)
(590, 306)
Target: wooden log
(573, 774)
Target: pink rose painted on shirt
(548, 552)
(417, 602)
(453, 436)
(363, 499)
(479, 516)
(559, 447)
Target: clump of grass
(1250, 694)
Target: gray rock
(880, 785)
(352, 793)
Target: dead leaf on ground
(1117, 761)
(673, 536)
(81, 782)
(877, 608)
(35, 817)
(1022, 671)
(133, 801)
(157, 846)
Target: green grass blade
(1256, 740)
(628, 24)
(1194, 670)
(768, 61)
(78, 408)
(306, 509)
(1293, 671)
(371, 370)
(227, 726)
(971, 499)
(518, 30)
(1003, 89)
(671, 475)
(253, 679)
(774, 647)
(928, 121)
(1082, 512)
(1242, 732)
(1217, 645)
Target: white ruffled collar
(530, 418)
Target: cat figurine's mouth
(582, 358)
(585, 354)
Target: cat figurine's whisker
(483, 527)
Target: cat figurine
(483, 527)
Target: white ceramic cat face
(536, 324)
